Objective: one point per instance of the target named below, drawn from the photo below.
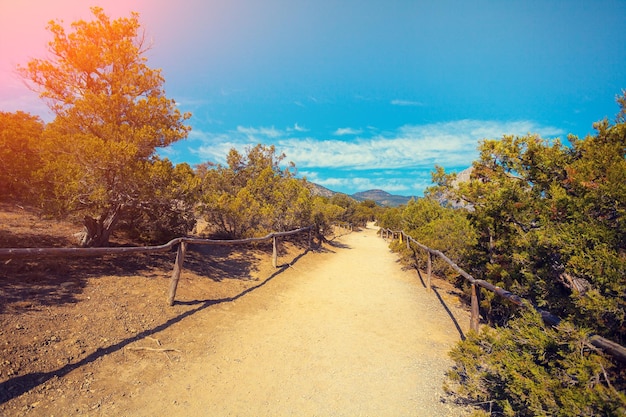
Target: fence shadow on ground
(224, 262)
(19, 385)
(436, 290)
(57, 281)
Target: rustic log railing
(182, 242)
(616, 350)
(344, 226)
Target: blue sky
(359, 94)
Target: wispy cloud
(297, 128)
(398, 102)
(343, 131)
(451, 144)
(397, 161)
(266, 132)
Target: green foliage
(111, 115)
(551, 226)
(348, 204)
(253, 195)
(442, 228)
(529, 369)
(365, 211)
(391, 218)
(354, 212)
(19, 135)
(166, 209)
(550, 223)
(324, 213)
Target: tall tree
(111, 116)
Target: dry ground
(337, 330)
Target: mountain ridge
(381, 197)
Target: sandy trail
(339, 334)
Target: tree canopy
(550, 224)
(253, 194)
(111, 116)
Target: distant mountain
(382, 197)
(317, 189)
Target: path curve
(351, 335)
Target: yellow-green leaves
(111, 116)
(253, 195)
(20, 134)
(529, 369)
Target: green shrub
(528, 369)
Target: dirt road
(342, 331)
(353, 335)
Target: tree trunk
(96, 233)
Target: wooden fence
(616, 350)
(182, 242)
(344, 226)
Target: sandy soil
(338, 331)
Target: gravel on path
(348, 333)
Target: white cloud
(191, 103)
(399, 102)
(347, 131)
(369, 161)
(297, 128)
(450, 144)
(252, 132)
(393, 185)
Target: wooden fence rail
(348, 227)
(182, 242)
(616, 350)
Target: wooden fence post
(429, 271)
(408, 244)
(475, 318)
(274, 252)
(178, 267)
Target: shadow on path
(444, 305)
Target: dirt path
(342, 331)
(353, 335)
